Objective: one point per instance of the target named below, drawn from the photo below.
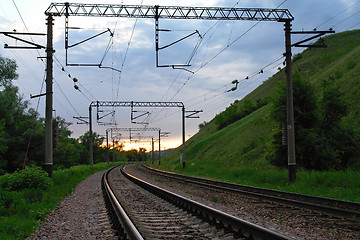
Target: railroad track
(140, 210)
(345, 209)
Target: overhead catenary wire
(75, 80)
(345, 19)
(257, 73)
(351, 27)
(33, 127)
(216, 55)
(22, 19)
(194, 53)
(125, 56)
(247, 78)
(336, 15)
(86, 94)
(219, 53)
(338, 23)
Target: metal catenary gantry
(167, 12)
(138, 11)
(132, 104)
(160, 134)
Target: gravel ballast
(293, 222)
(81, 215)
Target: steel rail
(330, 206)
(214, 216)
(125, 228)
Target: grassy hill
(236, 152)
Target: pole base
(292, 173)
(48, 168)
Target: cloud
(229, 50)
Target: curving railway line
(340, 208)
(140, 210)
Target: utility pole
(159, 147)
(169, 12)
(132, 104)
(152, 150)
(48, 166)
(107, 146)
(183, 159)
(113, 149)
(91, 160)
(290, 106)
(290, 129)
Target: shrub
(26, 178)
(6, 199)
(33, 195)
(234, 113)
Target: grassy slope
(236, 152)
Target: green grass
(344, 185)
(236, 153)
(22, 212)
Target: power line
(33, 127)
(22, 19)
(75, 80)
(58, 62)
(352, 26)
(244, 80)
(345, 19)
(331, 18)
(337, 14)
(204, 64)
(220, 52)
(126, 53)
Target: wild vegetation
(22, 133)
(28, 196)
(327, 129)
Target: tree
(20, 122)
(305, 120)
(340, 148)
(202, 125)
(3, 147)
(69, 151)
(98, 151)
(64, 131)
(7, 72)
(322, 142)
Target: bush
(234, 113)
(6, 199)
(26, 178)
(33, 195)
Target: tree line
(22, 133)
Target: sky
(224, 51)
